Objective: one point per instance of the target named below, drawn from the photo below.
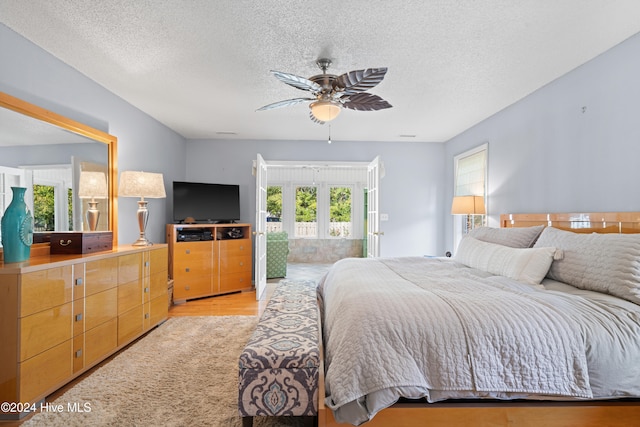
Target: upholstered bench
(278, 368)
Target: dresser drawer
(101, 275)
(100, 341)
(130, 325)
(46, 329)
(235, 264)
(235, 281)
(100, 308)
(155, 312)
(192, 285)
(41, 290)
(235, 248)
(196, 253)
(129, 268)
(159, 260)
(129, 295)
(158, 285)
(44, 372)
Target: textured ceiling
(202, 66)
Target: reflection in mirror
(93, 185)
(51, 174)
(47, 153)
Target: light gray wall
(32, 74)
(410, 193)
(571, 146)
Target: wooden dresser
(60, 315)
(220, 263)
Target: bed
(534, 323)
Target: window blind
(470, 174)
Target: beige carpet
(183, 373)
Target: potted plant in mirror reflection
(17, 228)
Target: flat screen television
(206, 203)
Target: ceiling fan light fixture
(330, 93)
(325, 110)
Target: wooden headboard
(593, 222)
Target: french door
(375, 171)
(261, 228)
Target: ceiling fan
(331, 93)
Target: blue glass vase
(17, 228)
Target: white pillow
(528, 265)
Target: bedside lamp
(92, 185)
(142, 184)
(468, 205)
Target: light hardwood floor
(244, 303)
(237, 304)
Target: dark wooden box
(76, 242)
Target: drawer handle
(188, 251)
(146, 315)
(78, 317)
(187, 269)
(78, 282)
(241, 263)
(63, 243)
(146, 290)
(146, 263)
(78, 353)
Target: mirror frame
(39, 113)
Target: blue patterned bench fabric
(279, 366)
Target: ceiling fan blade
(360, 80)
(297, 81)
(285, 103)
(364, 102)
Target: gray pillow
(517, 237)
(607, 263)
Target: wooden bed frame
(593, 413)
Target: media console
(209, 259)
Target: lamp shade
(141, 184)
(468, 205)
(325, 110)
(92, 185)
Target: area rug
(183, 373)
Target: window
(274, 208)
(340, 212)
(46, 205)
(317, 201)
(306, 212)
(470, 179)
(320, 211)
(43, 208)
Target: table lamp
(468, 205)
(142, 184)
(93, 185)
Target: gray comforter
(432, 328)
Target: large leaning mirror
(53, 156)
